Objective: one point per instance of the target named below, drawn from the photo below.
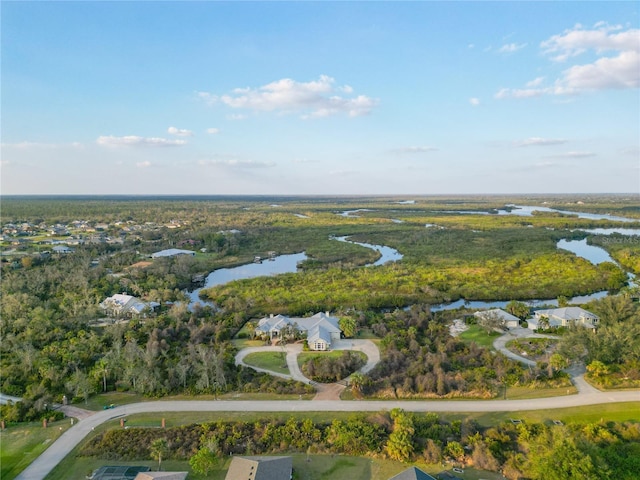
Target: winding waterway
(275, 266)
(387, 254)
(289, 263)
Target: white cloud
(233, 162)
(573, 155)
(575, 41)
(617, 65)
(213, 131)
(474, 101)
(179, 132)
(511, 47)
(317, 98)
(135, 141)
(539, 142)
(536, 82)
(236, 116)
(145, 164)
(411, 150)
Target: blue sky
(320, 97)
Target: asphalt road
(59, 449)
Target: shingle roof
(260, 468)
(567, 313)
(412, 473)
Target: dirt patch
(328, 391)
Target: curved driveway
(293, 350)
(67, 441)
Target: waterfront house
(563, 317)
(123, 305)
(508, 320)
(321, 329)
(172, 252)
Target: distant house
(123, 305)
(62, 249)
(321, 329)
(412, 473)
(260, 468)
(564, 317)
(509, 321)
(172, 252)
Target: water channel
(289, 263)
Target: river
(275, 266)
(289, 263)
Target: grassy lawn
(522, 393)
(274, 361)
(97, 402)
(20, 445)
(477, 334)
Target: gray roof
(307, 324)
(412, 473)
(567, 313)
(506, 316)
(171, 252)
(260, 468)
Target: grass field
(273, 361)
(20, 445)
(477, 334)
(522, 393)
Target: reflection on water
(594, 254)
(275, 266)
(387, 254)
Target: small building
(412, 473)
(123, 305)
(260, 468)
(321, 329)
(508, 320)
(563, 317)
(172, 252)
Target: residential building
(123, 305)
(509, 321)
(260, 468)
(321, 329)
(563, 317)
(172, 252)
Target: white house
(322, 329)
(172, 252)
(508, 320)
(564, 317)
(123, 305)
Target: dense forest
(593, 451)
(55, 341)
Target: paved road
(67, 441)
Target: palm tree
(159, 449)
